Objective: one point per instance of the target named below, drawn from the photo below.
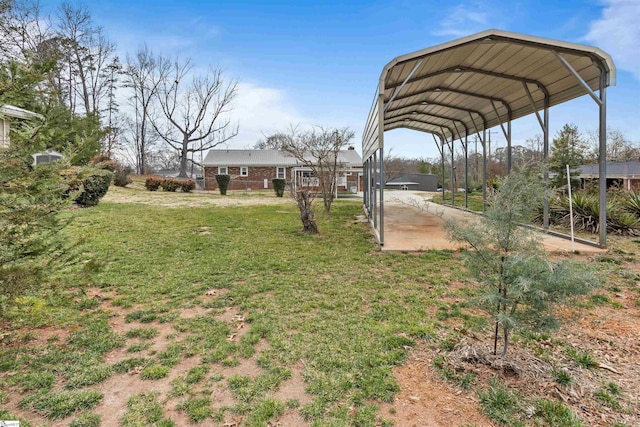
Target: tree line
(569, 146)
(148, 108)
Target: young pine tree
(519, 286)
(568, 149)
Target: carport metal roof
(488, 79)
(481, 81)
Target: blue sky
(318, 62)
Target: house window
(244, 171)
(223, 170)
(281, 173)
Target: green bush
(88, 184)
(223, 183)
(121, 177)
(153, 183)
(278, 186)
(170, 184)
(631, 201)
(621, 218)
(188, 186)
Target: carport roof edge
(480, 81)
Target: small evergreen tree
(30, 224)
(223, 183)
(279, 185)
(568, 149)
(519, 285)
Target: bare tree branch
(193, 110)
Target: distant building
(624, 175)
(254, 169)
(414, 181)
(8, 112)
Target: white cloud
(462, 20)
(618, 33)
(259, 111)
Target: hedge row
(153, 183)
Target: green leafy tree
(518, 284)
(568, 149)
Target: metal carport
(466, 86)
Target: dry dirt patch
(195, 199)
(426, 400)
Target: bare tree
(272, 142)
(396, 166)
(87, 53)
(163, 160)
(27, 38)
(619, 147)
(144, 72)
(22, 29)
(535, 146)
(194, 108)
(319, 150)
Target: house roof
(268, 158)
(613, 169)
(17, 112)
(394, 183)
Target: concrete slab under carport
(412, 228)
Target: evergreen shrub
(88, 184)
(223, 183)
(278, 186)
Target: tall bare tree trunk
(304, 200)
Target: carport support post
(382, 196)
(365, 179)
(466, 171)
(442, 142)
(453, 176)
(602, 158)
(509, 158)
(441, 149)
(545, 154)
(375, 190)
(484, 169)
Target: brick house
(624, 175)
(254, 169)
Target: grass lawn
(212, 313)
(474, 200)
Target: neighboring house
(7, 113)
(414, 181)
(254, 169)
(624, 175)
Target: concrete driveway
(412, 223)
